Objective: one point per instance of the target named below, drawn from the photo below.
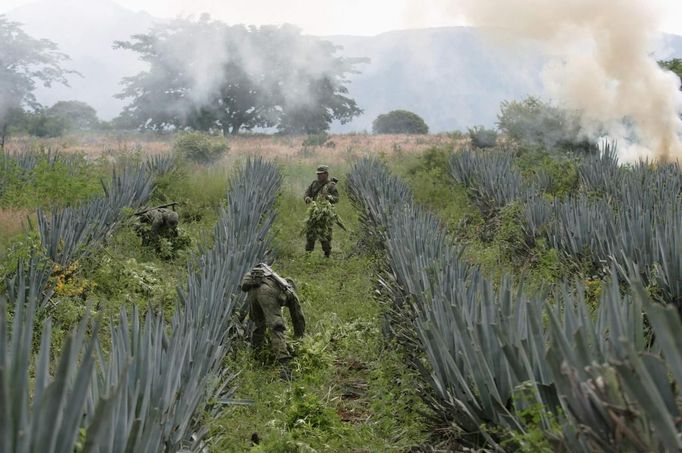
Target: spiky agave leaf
(69, 233)
(40, 412)
(158, 375)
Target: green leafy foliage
(533, 122)
(40, 177)
(320, 219)
(482, 138)
(367, 397)
(399, 122)
(26, 63)
(320, 139)
(70, 233)
(200, 147)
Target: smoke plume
(602, 65)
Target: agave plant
(609, 379)
(380, 194)
(145, 395)
(600, 172)
(69, 233)
(490, 177)
(160, 164)
(537, 213)
(40, 411)
(451, 314)
(158, 376)
(619, 394)
(31, 278)
(582, 229)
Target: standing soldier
(321, 217)
(267, 294)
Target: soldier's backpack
(252, 279)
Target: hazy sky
(324, 17)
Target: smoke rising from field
(602, 65)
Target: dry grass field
(338, 148)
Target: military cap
(323, 169)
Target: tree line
(206, 75)
(202, 75)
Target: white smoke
(602, 65)
(275, 59)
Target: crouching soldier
(267, 294)
(162, 222)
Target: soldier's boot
(309, 244)
(257, 342)
(285, 369)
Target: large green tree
(25, 63)
(207, 75)
(76, 114)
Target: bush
(75, 114)
(399, 122)
(533, 122)
(42, 124)
(200, 147)
(320, 139)
(482, 137)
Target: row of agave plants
(148, 392)
(507, 369)
(69, 233)
(619, 214)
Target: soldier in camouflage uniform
(267, 294)
(322, 190)
(163, 221)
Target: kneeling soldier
(267, 294)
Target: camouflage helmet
(322, 169)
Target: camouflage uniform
(266, 298)
(321, 192)
(163, 221)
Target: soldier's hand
(308, 200)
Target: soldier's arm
(309, 191)
(333, 194)
(296, 312)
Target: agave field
(481, 300)
(542, 371)
(145, 391)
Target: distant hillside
(453, 77)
